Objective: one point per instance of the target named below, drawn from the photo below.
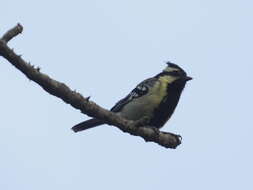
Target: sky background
(103, 49)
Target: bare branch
(77, 101)
(12, 33)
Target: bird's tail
(87, 125)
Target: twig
(77, 101)
(12, 33)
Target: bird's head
(173, 73)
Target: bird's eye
(175, 73)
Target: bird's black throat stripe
(166, 108)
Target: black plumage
(166, 108)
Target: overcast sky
(103, 49)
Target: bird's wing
(140, 90)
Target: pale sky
(103, 49)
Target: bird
(154, 98)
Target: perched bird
(155, 98)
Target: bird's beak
(187, 78)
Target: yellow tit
(155, 98)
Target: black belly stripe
(168, 105)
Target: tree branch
(76, 100)
(12, 33)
